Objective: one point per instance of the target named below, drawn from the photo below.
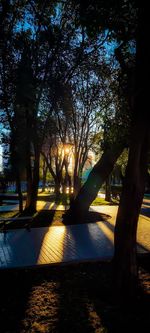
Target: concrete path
(74, 243)
(13, 205)
(62, 244)
(143, 232)
(58, 244)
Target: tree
(37, 40)
(134, 183)
(125, 56)
(9, 16)
(91, 95)
(126, 272)
(115, 127)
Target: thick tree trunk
(77, 185)
(130, 203)
(97, 177)
(125, 264)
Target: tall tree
(134, 183)
(121, 22)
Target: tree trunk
(70, 186)
(19, 191)
(57, 187)
(77, 185)
(44, 179)
(35, 183)
(125, 265)
(108, 189)
(29, 180)
(32, 185)
(97, 177)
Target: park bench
(9, 219)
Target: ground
(50, 216)
(75, 298)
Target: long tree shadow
(86, 303)
(140, 247)
(86, 241)
(69, 299)
(44, 217)
(76, 298)
(145, 211)
(144, 261)
(51, 300)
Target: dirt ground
(69, 299)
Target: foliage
(61, 75)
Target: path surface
(74, 243)
(143, 232)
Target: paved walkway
(143, 232)
(62, 244)
(13, 205)
(74, 243)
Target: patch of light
(106, 231)
(52, 248)
(40, 205)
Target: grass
(46, 218)
(49, 217)
(8, 214)
(76, 298)
(100, 201)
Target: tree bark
(19, 191)
(108, 189)
(77, 185)
(32, 184)
(125, 264)
(44, 178)
(29, 179)
(97, 177)
(57, 187)
(35, 183)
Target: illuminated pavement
(64, 244)
(143, 232)
(74, 243)
(13, 205)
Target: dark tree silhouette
(134, 183)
